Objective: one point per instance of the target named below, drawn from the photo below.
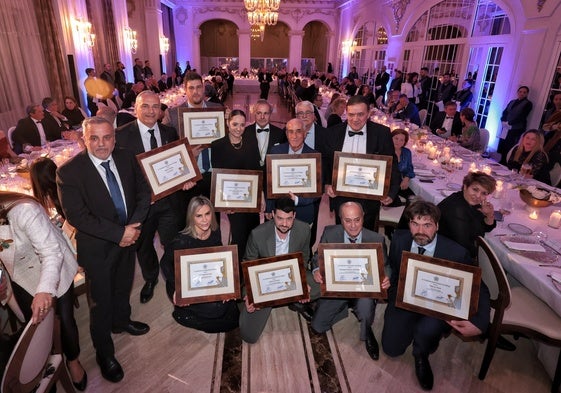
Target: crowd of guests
(102, 194)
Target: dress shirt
(262, 140)
(97, 163)
(356, 143)
(357, 239)
(447, 125)
(429, 248)
(281, 245)
(299, 151)
(41, 132)
(145, 135)
(311, 137)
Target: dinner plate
(454, 186)
(502, 172)
(446, 193)
(420, 166)
(424, 172)
(520, 229)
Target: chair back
(27, 362)
(423, 116)
(493, 275)
(10, 132)
(555, 174)
(112, 105)
(483, 139)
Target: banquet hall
(47, 45)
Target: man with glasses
(402, 327)
(267, 134)
(360, 135)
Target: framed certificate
(361, 175)
(238, 190)
(201, 126)
(275, 281)
(300, 174)
(206, 275)
(352, 270)
(437, 287)
(168, 167)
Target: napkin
(556, 277)
(524, 246)
(423, 172)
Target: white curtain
(23, 79)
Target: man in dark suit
(106, 75)
(54, 122)
(106, 198)
(283, 234)
(330, 311)
(165, 215)
(397, 80)
(446, 124)
(381, 83)
(138, 71)
(403, 327)
(360, 135)
(514, 120)
(30, 130)
(405, 109)
(120, 79)
(267, 134)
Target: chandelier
(257, 32)
(262, 12)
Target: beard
(422, 240)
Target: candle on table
(555, 219)
(533, 215)
(473, 167)
(432, 153)
(487, 169)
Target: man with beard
(283, 234)
(402, 327)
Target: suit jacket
(438, 121)
(26, 132)
(162, 85)
(128, 136)
(382, 80)
(262, 241)
(445, 249)
(106, 76)
(53, 130)
(88, 206)
(409, 112)
(378, 141)
(516, 113)
(336, 234)
(276, 135)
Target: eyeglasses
(302, 114)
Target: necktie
(352, 239)
(115, 192)
(422, 250)
(153, 142)
(352, 133)
(262, 130)
(206, 160)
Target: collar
(97, 162)
(429, 248)
(358, 238)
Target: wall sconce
(130, 39)
(346, 46)
(83, 30)
(164, 44)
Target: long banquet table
(533, 274)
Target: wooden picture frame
(297, 173)
(207, 274)
(237, 190)
(201, 126)
(364, 176)
(437, 287)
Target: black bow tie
(262, 130)
(449, 117)
(352, 133)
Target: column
(295, 49)
(153, 26)
(122, 21)
(196, 51)
(244, 45)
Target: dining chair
(516, 312)
(555, 174)
(483, 139)
(423, 116)
(36, 364)
(10, 132)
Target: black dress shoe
(372, 345)
(303, 309)
(505, 345)
(134, 328)
(147, 291)
(424, 372)
(110, 368)
(81, 386)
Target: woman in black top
(201, 231)
(237, 151)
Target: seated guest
(130, 96)
(471, 137)
(366, 91)
(162, 83)
(400, 138)
(30, 131)
(53, 120)
(43, 182)
(244, 73)
(447, 123)
(73, 112)
(530, 150)
(337, 109)
(467, 214)
(201, 231)
(406, 110)
(5, 149)
(402, 327)
(465, 95)
(393, 100)
(330, 311)
(329, 107)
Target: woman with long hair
(471, 135)
(529, 152)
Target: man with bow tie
(447, 123)
(30, 130)
(267, 134)
(360, 135)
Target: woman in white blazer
(42, 267)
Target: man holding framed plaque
(282, 235)
(329, 311)
(402, 327)
(360, 135)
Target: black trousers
(64, 309)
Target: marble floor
(289, 357)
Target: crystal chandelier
(262, 12)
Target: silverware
(557, 266)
